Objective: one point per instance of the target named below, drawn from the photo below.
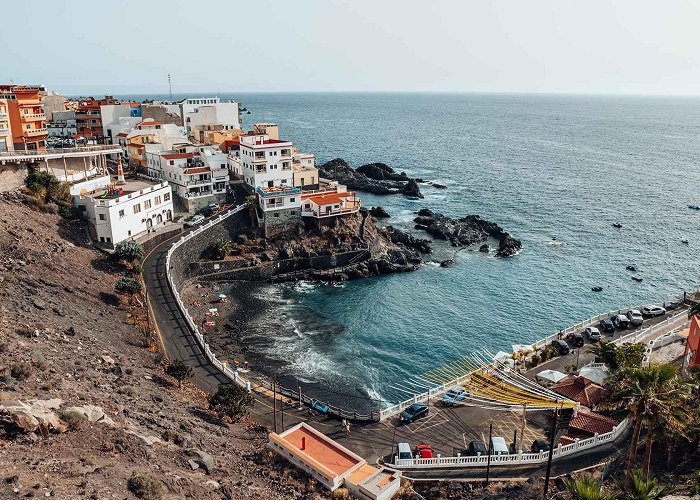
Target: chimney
(303, 443)
(120, 172)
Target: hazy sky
(580, 46)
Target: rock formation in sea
(466, 231)
(379, 213)
(375, 178)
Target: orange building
(26, 114)
(88, 118)
(692, 345)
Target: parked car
(476, 448)
(206, 211)
(499, 446)
(194, 220)
(214, 206)
(561, 346)
(621, 321)
(635, 317)
(674, 304)
(454, 395)
(593, 334)
(403, 451)
(539, 445)
(423, 451)
(413, 412)
(653, 311)
(606, 325)
(575, 339)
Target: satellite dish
(83, 192)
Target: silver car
(635, 317)
(194, 220)
(653, 311)
(593, 334)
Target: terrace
(277, 191)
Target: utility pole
(522, 429)
(488, 459)
(170, 87)
(274, 404)
(551, 453)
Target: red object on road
(423, 451)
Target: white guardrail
(231, 374)
(515, 458)
(633, 336)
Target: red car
(423, 451)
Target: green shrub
(129, 251)
(21, 371)
(73, 418)
(128, 286)
(231, 400)
(145, 486)
(179, 371)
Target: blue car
(413, 412)
(454, 395)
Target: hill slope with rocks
(86, 410)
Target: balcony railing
(197, 181)
(31, 116)
(34, 131)
(278, 191)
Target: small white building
(117, 213)
(330, 203)
(304, 171)
(210, 113)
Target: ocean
(555, 171)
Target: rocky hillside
(86, 410)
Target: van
(403, 451)
(499, 446)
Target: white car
(194, 220)
(593, 334)
(498, 446)
(635, 317)
(653, 310)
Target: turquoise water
(543, 167)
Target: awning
(551, 376)
(596, 374)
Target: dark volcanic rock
(411, 189)
(340, 171)
(379, 213)
(381, 172)
(408, 240)
(467, 231)
(484, 248)
(447, 263)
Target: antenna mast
(170, 87)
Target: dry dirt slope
(63, 339)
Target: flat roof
(131, 186)
(319, 449)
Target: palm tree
(645, 487)
(587, 488)
(651, 394)
(694, 311)
(222, 247)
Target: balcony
(259, 159)
(278, 191)
(3, 115)
(35, 132)
(34, 117)
(197, 182)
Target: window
(129, 232)
(156, 200)
(166, 197)
(102, 239)
(102, 217)
(172, 162)
(137, 208)
(147, 204)
(121, 214)
(291, 200)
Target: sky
(539, 46)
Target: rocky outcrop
(411, 189)
(381, 172)
(408, 240)
(467, 231)
(379, 213)
(375, 178)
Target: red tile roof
(178, 156)
(592, 423)
(122, 134)
(582, 390)
(327, 198)
(196, 170)
(147, 123)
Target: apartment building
(304, 170)
(26, 115)
(209, 114)
(53, 103)
(151, 136)
(198, 174)
(88, 116)
(6, 143)
(62, 125)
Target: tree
(231, 400)
(586, 488)
(179, 370)
(222, 247)
(617, 357)
(129, 251)
(645, 487)
(128, 286)
(650, 394)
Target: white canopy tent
(596, 374)
(551, 376)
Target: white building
(304, 170)
(63, 124)
(209, 113)
(198, 174)
(266, 166)
(118, 213)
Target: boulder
(411, 189)
(484, 248)
(447, 263)
(204, 459)
(379, 213)
(381, 172)
(16, 418)
(408, 240)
